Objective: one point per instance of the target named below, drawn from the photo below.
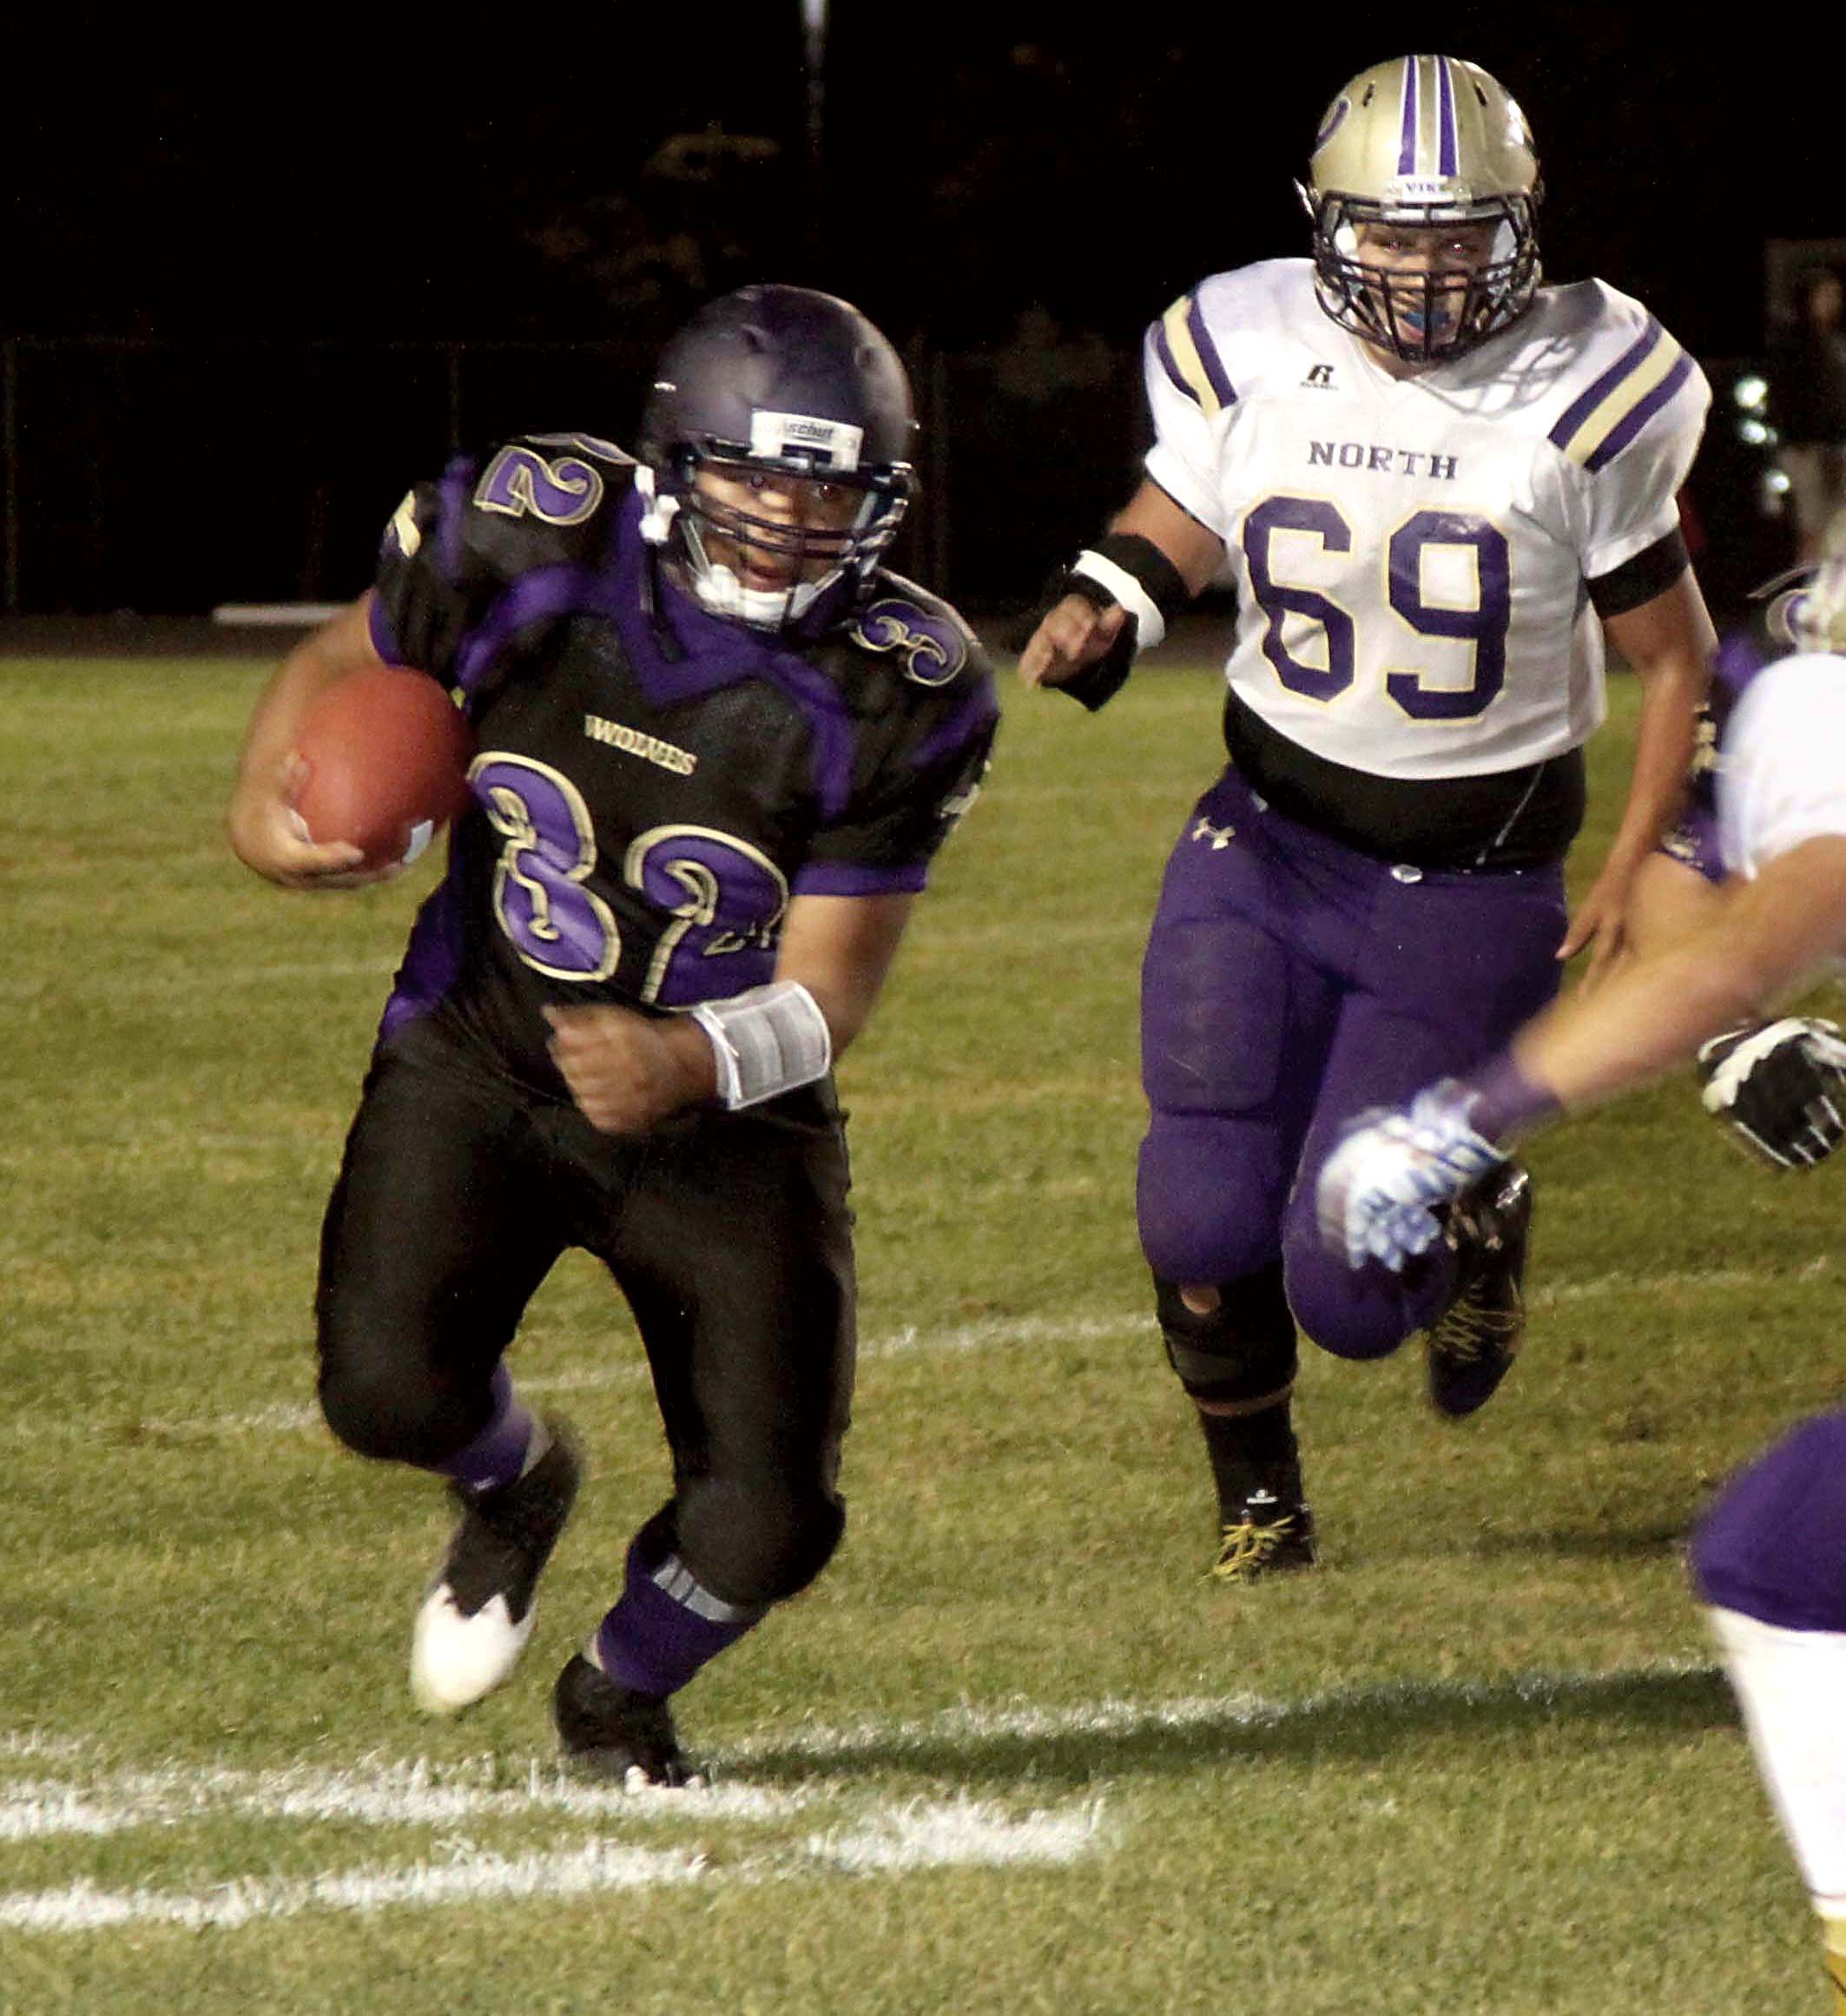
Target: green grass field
(1013, 1753)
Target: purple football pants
(1774, 1544)
(1289, 983)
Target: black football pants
(727, 1233)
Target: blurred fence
(167, 480)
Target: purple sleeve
(890, 832)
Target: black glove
(1780, 1087)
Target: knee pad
(1242, 1350)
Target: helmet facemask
(777, 388)
(770, 570)
(1424, 145)
(1430, 314)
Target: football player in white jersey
(1437, 486)
(1769, 1558)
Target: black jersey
(653, 783)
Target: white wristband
(1150, 625)
(767, 1040)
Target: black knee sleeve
(376, 1412)
(755, 1546)
(1242, 1350)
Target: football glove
(1780, 1088)
(1380, 1188)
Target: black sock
(1247, 1450)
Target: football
(387, 752)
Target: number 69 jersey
(653, 784)
(1411, 555)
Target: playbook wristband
(766, 1040)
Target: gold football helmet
(1427, 164)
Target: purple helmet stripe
(1164, 351)
(1630, 361)
(1208, 354)
(1406, 141)
(1644, 410)
(1445, 78)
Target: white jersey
(1410, 555)
(1783, 780)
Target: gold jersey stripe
(1602, 420)
(1186, 357)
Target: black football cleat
(612, 1732)
(1473, 1343)
(478, 1614)
(1270, 1531)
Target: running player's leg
(1452, 965)
(435, 1238)
(1235, 1025)
(1770, 1560)
(734, 1250)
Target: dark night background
(256, 287)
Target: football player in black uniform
(718, 745)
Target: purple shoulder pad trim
(1644, 410)
(977, 712)
(545, 593)
(383, 638)
(1208, 354)
(1629, 362)
(852, 878)
(717, 654)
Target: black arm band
(1651, 572)
(1122, 569)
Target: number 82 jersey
(1411, 556)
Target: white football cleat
(456, 1660)
(476, 1620)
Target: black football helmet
(784, 381)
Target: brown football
(387, 754)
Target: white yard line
(872, 1837)
(998, 1333)
(887, 1838)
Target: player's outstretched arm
(1379, 1189)
(628, 1071)
(267, 833)
(1081, 630)
(1668, 642)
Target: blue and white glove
(1780, 1089)
(1380, 1187)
